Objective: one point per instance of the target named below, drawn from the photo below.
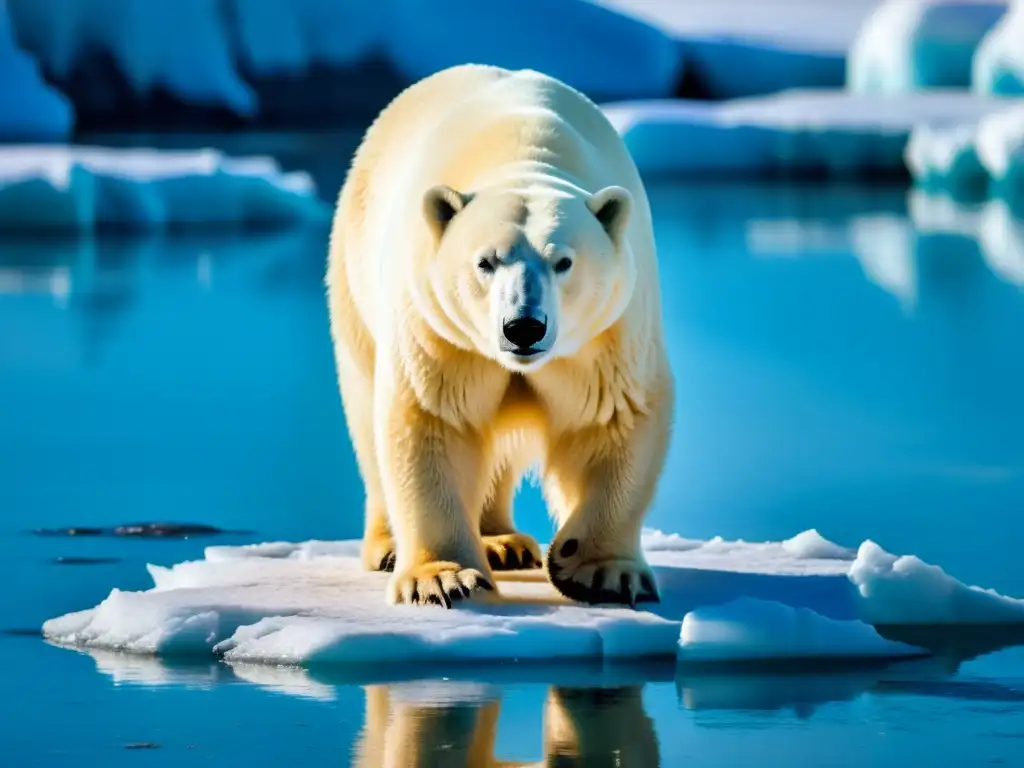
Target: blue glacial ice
(826, 132)
(606, 54)
(205, 52)
(998, 66)
(908, 45)
(311, 602)
(62, 188)
(34, 109)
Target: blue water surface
(836, 369)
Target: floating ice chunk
(32, 109)
(801, 131)
(998, 65)
(907, 45)
(313, 603)
(756, 630)
(906, 590)
(812, 545)
(81, 188)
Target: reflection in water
(581, 727)
(446, 722)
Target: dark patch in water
(142, 530)
(85, 560)
(142, 745)
(21, 632)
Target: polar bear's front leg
(600, 482)
(431, 477)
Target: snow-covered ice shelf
(799, 131)
(71, 188)
(310, 603)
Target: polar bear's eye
(485, 265)
(563, 265)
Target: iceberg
(74, 188)
(822, 132)
(35, 111)
(998, 65)
(311, 603)
(972, 158)
(909, 45)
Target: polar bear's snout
(520, 334)
(526, 326)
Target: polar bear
(494, 307)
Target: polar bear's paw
(438, 583)
(379, 553)
(512, 552)
(626, 581)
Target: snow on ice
(310, 603)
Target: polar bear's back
(456, 125)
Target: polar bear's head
(525, 277)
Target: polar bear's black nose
(524, 332)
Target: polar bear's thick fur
(495, 305)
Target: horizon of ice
(311, 603)
(803, 130)
(909, 45)
(998, 64)
(208, 52)
(747, 629)
(807, 25)
(983, 156)
(42, 112)
(79, 188)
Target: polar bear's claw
(623, 581)
(512, 552)
(440, 583)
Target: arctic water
(839, 367)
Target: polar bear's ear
(612, 207)
(440, 206)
